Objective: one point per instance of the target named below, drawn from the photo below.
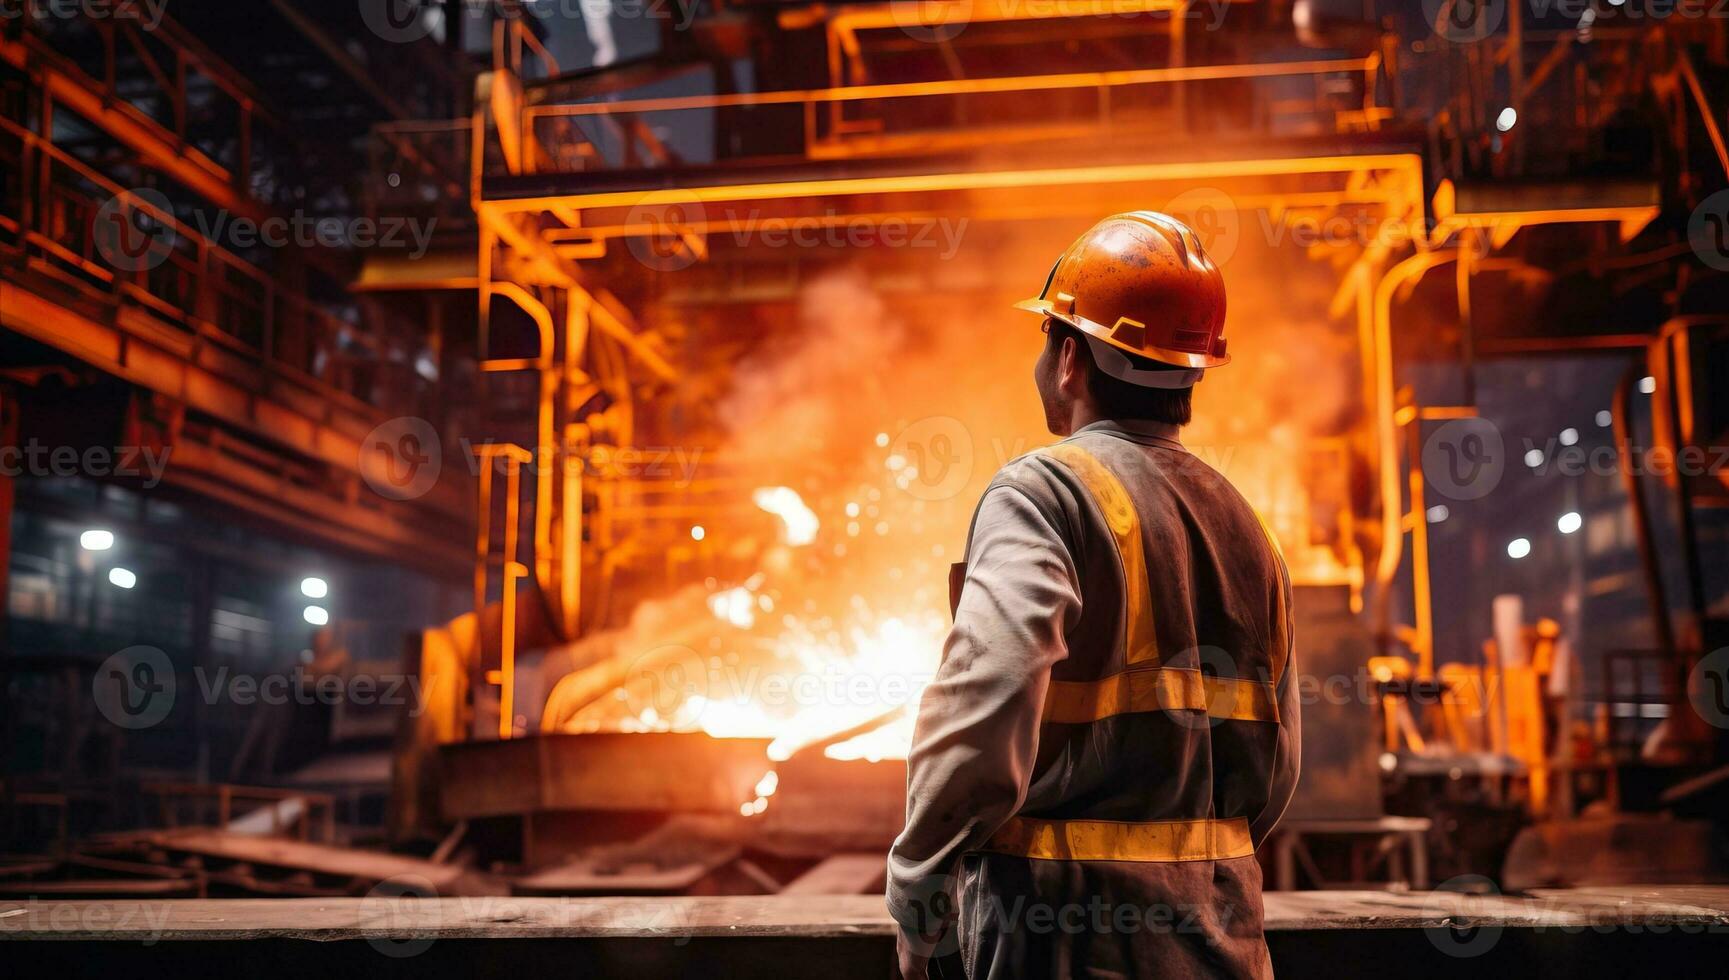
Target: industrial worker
(1113, 730)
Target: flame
(735, 606)
(765, 788)
(890, 741)
(784, 502)
(796, 680)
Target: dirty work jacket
(1113, 729)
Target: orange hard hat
(1140, 282)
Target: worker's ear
(1071, 373)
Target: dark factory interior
(479, 478)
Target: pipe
(1622, 415)
(1392, 501)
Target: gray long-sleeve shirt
(978, 724)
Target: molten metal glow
(888, 742)
(785, 503)
(821, 638)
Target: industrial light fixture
(1569, 436)
(1518, 547)
(1508, 118)
(1570, 522)
(1533, 458)
(313, 587)
(1605, 419)
(96, 539)
(1647, 385)
(316, 615)
(698, 532)
(1438, 513)
(122, 578)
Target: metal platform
(1580, 932)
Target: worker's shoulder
(1034, 471)
(1054, 467)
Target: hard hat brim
(1163, 355)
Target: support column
(8, 437)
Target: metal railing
(307, 816)
(1335, 94)
(50, 203)
(159, 81)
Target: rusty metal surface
(803, 816)
(292, 867)
(659, 771)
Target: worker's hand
(925, 913)
(913, 955)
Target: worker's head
(1068, 377)
(1134, 311)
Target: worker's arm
(1289, 750)
(978, 725)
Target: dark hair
(1120, 400)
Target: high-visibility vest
(1161, 732)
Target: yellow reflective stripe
(1235, 699)
(1078, 702)
(1142, 644)
(1108, 840)
(1272, 539)
(1159, 689)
